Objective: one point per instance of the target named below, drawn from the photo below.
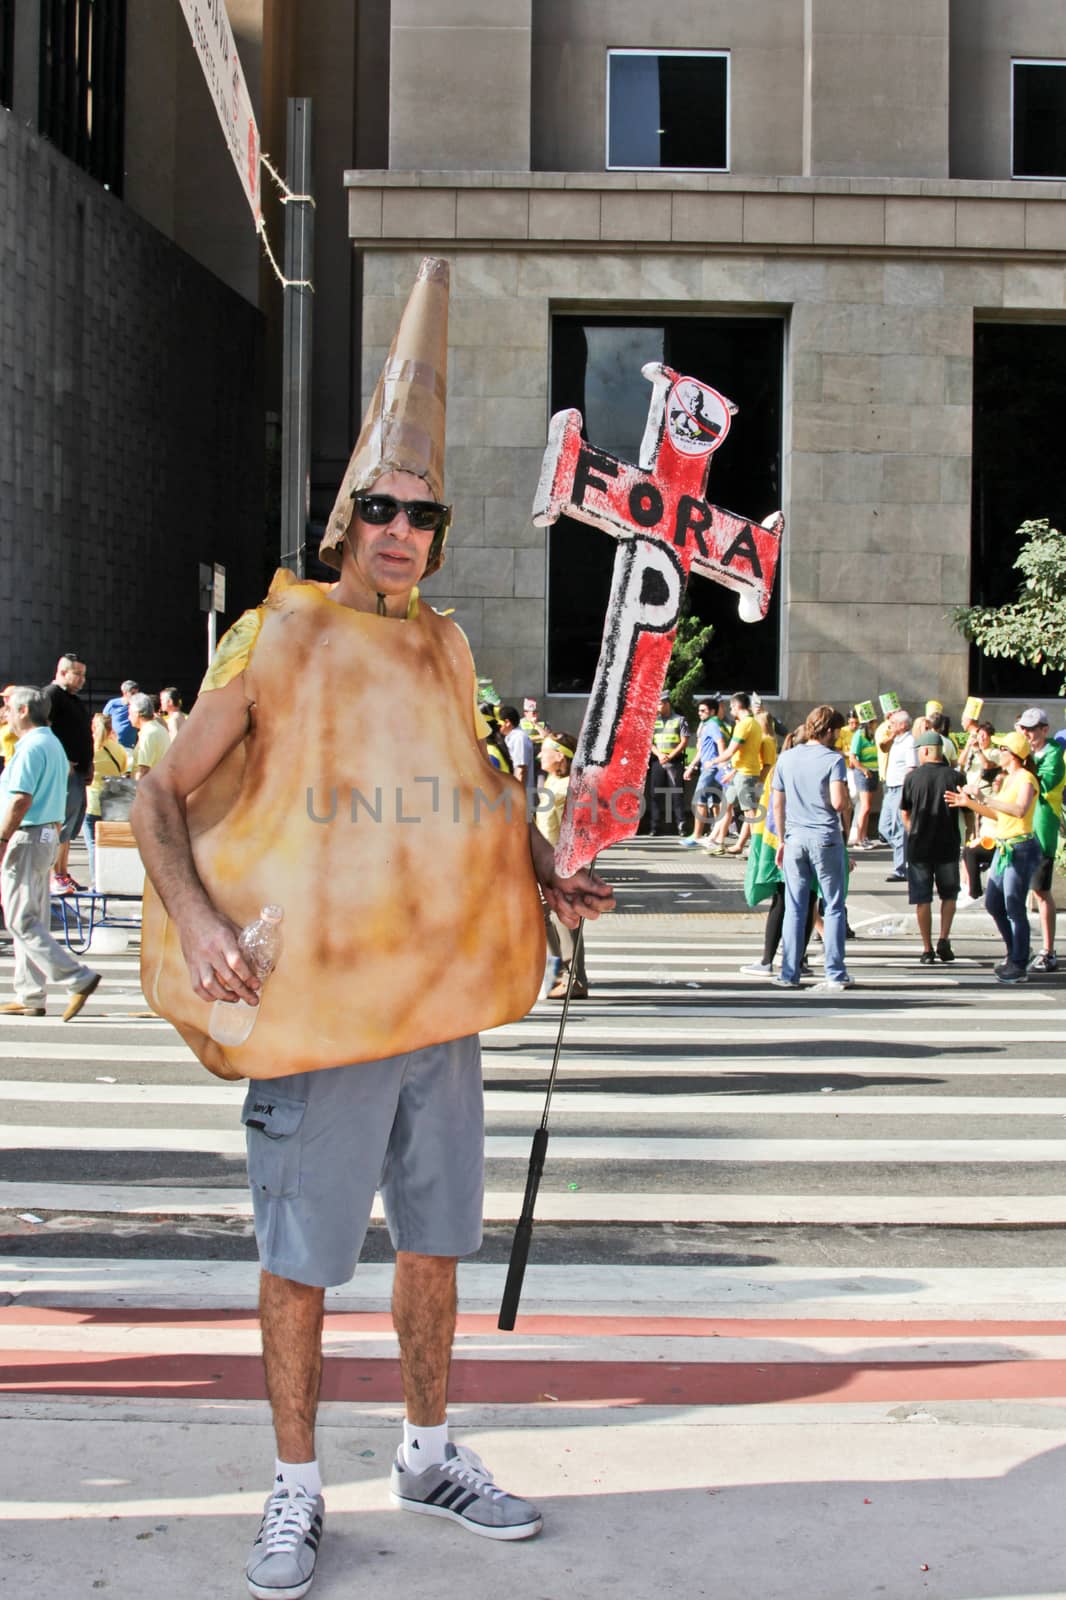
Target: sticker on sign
(213, 42)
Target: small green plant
(685, 674)
(1031, 629)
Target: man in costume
(383, 850)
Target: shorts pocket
(274, 1144)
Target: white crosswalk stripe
(719, 1150)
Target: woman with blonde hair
(109, 761)
(1018, 852)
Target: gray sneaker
(461, 1487)
(1046, 961)
(281, 1565)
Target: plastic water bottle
(260, 945)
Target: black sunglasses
(428, 516)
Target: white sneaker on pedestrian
(832, 986)
(758, 969)
(281, 1565)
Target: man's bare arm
(585, 895)
(840, 800)
(217, 723)
(18, 805)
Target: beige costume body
(398, 933)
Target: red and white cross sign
(665, 529)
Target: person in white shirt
(902, 756)
(519, 748)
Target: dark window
(669, 110)
(7, 46)
(1019, 411)
(82, 91)
(1039, 119)
(596, 364)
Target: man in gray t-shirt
(812, 814)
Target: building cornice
(691, 211)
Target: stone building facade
(868, 203)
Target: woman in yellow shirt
(1018, 852)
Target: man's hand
(585, 895)
(217, 970)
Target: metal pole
(212, 634)
(296, 359)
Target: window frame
(650, 315)
(641, 50)
(7, 53)
(1031, 61)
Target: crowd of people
(944, 803)
(57, 760)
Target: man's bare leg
(290, 1317)
(423, 1313)
(947, 917)
(1045, 905)
(923, 915)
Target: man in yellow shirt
(744, 753)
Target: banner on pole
(213, 42)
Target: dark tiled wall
(131, 433)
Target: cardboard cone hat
(403, 430)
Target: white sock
(302, 1473)
(423, 1447)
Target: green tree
(685, 674)
(1031, 629)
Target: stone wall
(880, 284)
(131, 432)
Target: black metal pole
(296, 355)
(523, 1234)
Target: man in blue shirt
(812, 815)
(118, 709)
(33, 798)
(710, 742)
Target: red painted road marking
(614, 1383)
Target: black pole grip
(523, 1234)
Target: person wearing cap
(394, 847)
(556, 754)
(710, 743)
(531, 723)
(1051, 771)
(933, 843)
(668, 746)
(1018, 852)
(495, 745)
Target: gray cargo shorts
(321, 1143)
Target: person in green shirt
(1051, 770)
(862, 759)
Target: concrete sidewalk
(744, 1504)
